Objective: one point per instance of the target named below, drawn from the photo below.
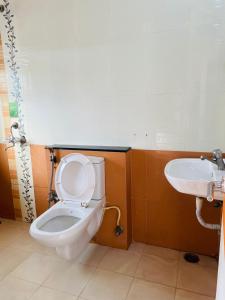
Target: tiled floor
(31, 271)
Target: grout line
(197, 293)
(178, 268)
(156, 282)
(131, 283)
(138, 263)
(88, 281)
(35, 290)
(55, 290)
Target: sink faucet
(217, 158)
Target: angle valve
(118, 230)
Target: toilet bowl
(71, 223)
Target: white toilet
(71, 223)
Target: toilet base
(72, 251)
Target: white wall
(144, 73)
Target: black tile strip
(89, 147)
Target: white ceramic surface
(75, 178)
(192, 176)
(68, 226)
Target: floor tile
(25, 265)
(71, 280)
(120, 261)
(18, 223)
(144, 290)
(12, 288)
(37, 267)
(93, 254)
(204, 261)
(27, 243)
(158, 269)
(184, 295)
(44, 293)
(10, 258)
(196, 278)
(161, 252)
(8, 235)
(107, 285)
(137, 247)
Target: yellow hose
(118, 211)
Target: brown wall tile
(117, 181)
(170, 215)
(160, 215)
(41, 199)
(40, 165)
(6, 198)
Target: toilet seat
(75, 179)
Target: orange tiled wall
(162, 216)
(117, 191)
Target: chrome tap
(217, 158)
(12, 140)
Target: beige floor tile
(196, 278)
(12, 288)
(38, 267)
(8, 235)
(137, 247)
(121, 261)
(17, 223)
(107, 285)
(204, 261)
(161, 252)
(10, 258)
(158, 269)
(93, 254)
(184, 295)
(27, 243)
(72, 279)
(144, 290)
(44, 293)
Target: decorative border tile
(23, 159)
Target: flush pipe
(199, 203)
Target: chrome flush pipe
(199, 203)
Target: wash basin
(193, 175)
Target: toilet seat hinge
(84, 204)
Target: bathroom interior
(112, 136)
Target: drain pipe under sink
(199, 203)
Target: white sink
(192, 176)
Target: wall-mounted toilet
(71, 223)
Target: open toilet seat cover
(75, 178)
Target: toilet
(70, 224)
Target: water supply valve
(118, 230)
(12, 139)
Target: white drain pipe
(199, 203)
